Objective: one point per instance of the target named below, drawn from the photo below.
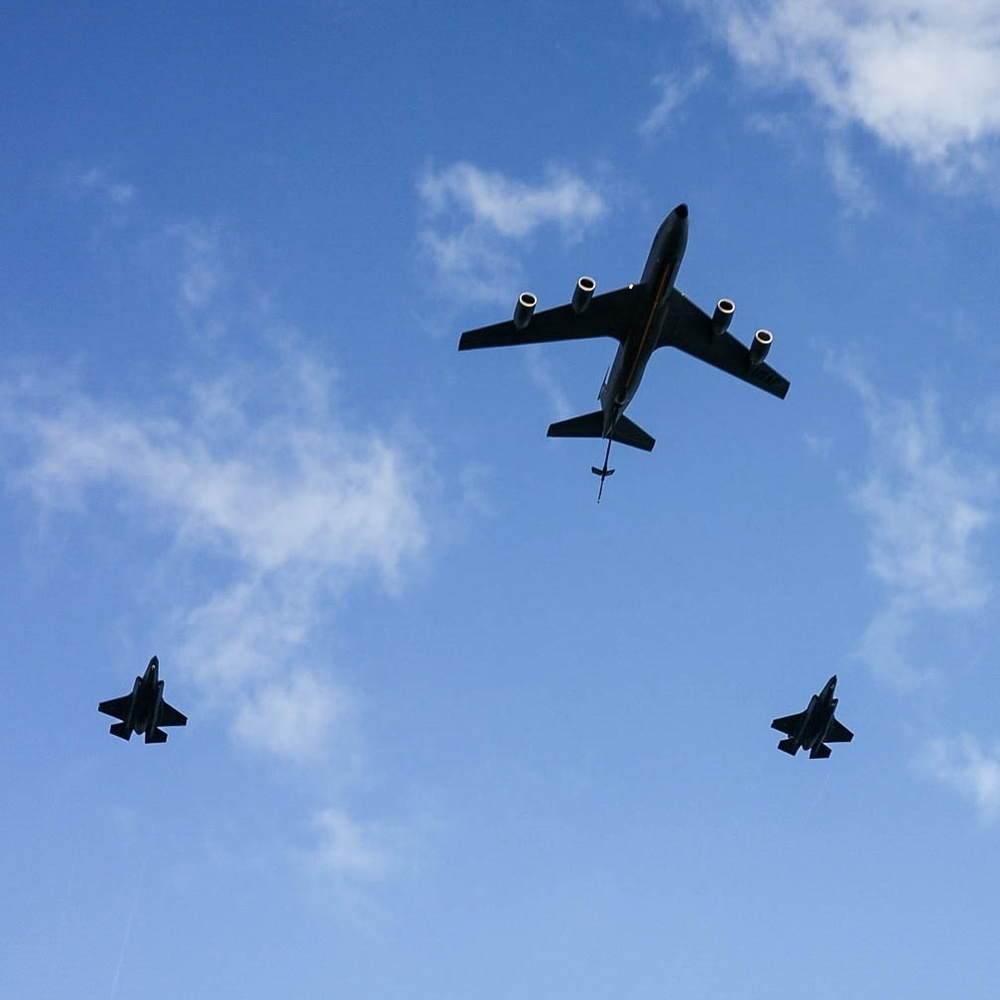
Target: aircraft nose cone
(681, 211)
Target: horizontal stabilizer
(122, 730)
(822, 752)
(590, 425)
(156, 736)
(789, 746)
(627, 432)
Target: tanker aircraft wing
(607, 315)
(689, 329)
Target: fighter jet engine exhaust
(761, 345)
(583, 293)
(722, 316)
(526, 303)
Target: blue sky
(455, 730)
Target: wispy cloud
(291, 504)
(294, 717)
(351, 848)
(848, 178)
(927, 504)
(202, 273)
(970, 769)
(100, 184)
(257, 502)
(541, 374)
(922, 76)
(652, 9)
(673, 91)
(475, 219)
(251, 487)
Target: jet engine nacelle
(722, 316)
(526, 303)
(583, 293)
(761, 345)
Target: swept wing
(118, 708)
(790, 725)
(689, 328)
(607, 315)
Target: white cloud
(293, 717)
(511, 208)
(923, 76)
(288, 505)
(927, 505)
(352, 848)
(673, 93)
(202, 274)
(256, 506)
(849, 180)
(292, 485)
(97, 182)
(475, 216)
(964, 765)
(541, 374)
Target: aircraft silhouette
(643, 316)
(144, 710)
(815, 727)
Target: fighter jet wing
(689, 329)
(117, 707)
(790, 725)
(607, 315)
(169, 716)
(838, 733)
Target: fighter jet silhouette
(144, 710)
(815, 727)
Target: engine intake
(761, 345)
(526, 303)
(583, 293)
(722, 316)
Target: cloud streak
(289, 505)
(673, 92)
(964, 765)
(927, 505)
(252, 493)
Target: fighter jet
(815, 727)
(144, 710)
(643, 316)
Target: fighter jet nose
(681, 211)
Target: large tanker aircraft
(643, 316)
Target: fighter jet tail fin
(156, 736)
(590, 425)
(822, 751)
(789, 746)
(121, 730)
